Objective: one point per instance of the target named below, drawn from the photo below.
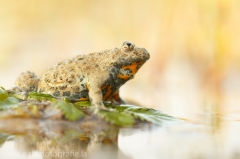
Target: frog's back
(66, 79)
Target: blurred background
(194, 69)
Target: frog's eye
(128, 46)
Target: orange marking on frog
(124, 77)
(114, 96)
(109, 91)
(132, 67)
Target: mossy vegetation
(44, 106)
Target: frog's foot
(21, 95)
(97, 108)
(14, 90)
(18, 93)
(24, 95)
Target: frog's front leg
(95, 96)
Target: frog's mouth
(128, 71)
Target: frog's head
(129, 59)
(132, 53)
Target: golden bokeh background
(194, 69)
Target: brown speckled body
(95, 77)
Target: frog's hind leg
(26, 82)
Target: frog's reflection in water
(68, 141)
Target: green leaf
(83, 103)
(148, 114)
(40, 96)
(122, 107)
(10, 102)
(69, 110)
(3, 94)
(116, 118)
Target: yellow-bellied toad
(96, 77)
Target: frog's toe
(21, 95)
(101, 107)
(96, 110)
(14, 89)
